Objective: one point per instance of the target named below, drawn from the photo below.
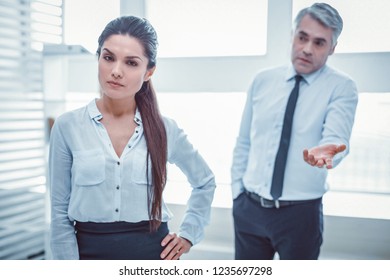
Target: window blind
(25, 25)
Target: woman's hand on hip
(175, 246)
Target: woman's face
(122, 67)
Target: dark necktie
(281, 156)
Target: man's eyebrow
(303, 33)
(321, 40)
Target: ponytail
(156, 142)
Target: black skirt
(119, 241)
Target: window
(212, 127)
(366, 168)
(193, 28)
(79, 30)
(24, 27)
(46, 22)
(363, 176)
(366, 24)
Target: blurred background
(209, 52)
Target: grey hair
(325, 15)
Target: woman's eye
(132, 63)
(107, 57)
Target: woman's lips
(114, 84)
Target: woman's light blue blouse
(90, 183)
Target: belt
(268, 203)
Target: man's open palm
(321, 156)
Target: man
(279, 170)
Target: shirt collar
(93, 111)
(308, 78)
(137, 117)
(95, 114)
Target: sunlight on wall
(191, 28)
(85, 20)
(366, 24)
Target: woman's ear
(149, 73)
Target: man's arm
(241, 150)
(337, 128)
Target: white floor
(345, 238)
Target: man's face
(312, 44)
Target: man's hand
(321, 156)
(175, 246)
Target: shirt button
(117, 187)
(118, 163)
(129, 146)
(116, 210)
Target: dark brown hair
(154, 129)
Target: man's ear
(149, 73)
(333, 48)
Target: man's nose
(308, 48)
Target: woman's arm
(62, 235)
(201, 178)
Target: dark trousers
(119, 241)
(294, 231)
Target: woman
(108, 162)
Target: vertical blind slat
(23, 24)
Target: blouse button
(116, 210)
(118, 163)
(117, 187)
